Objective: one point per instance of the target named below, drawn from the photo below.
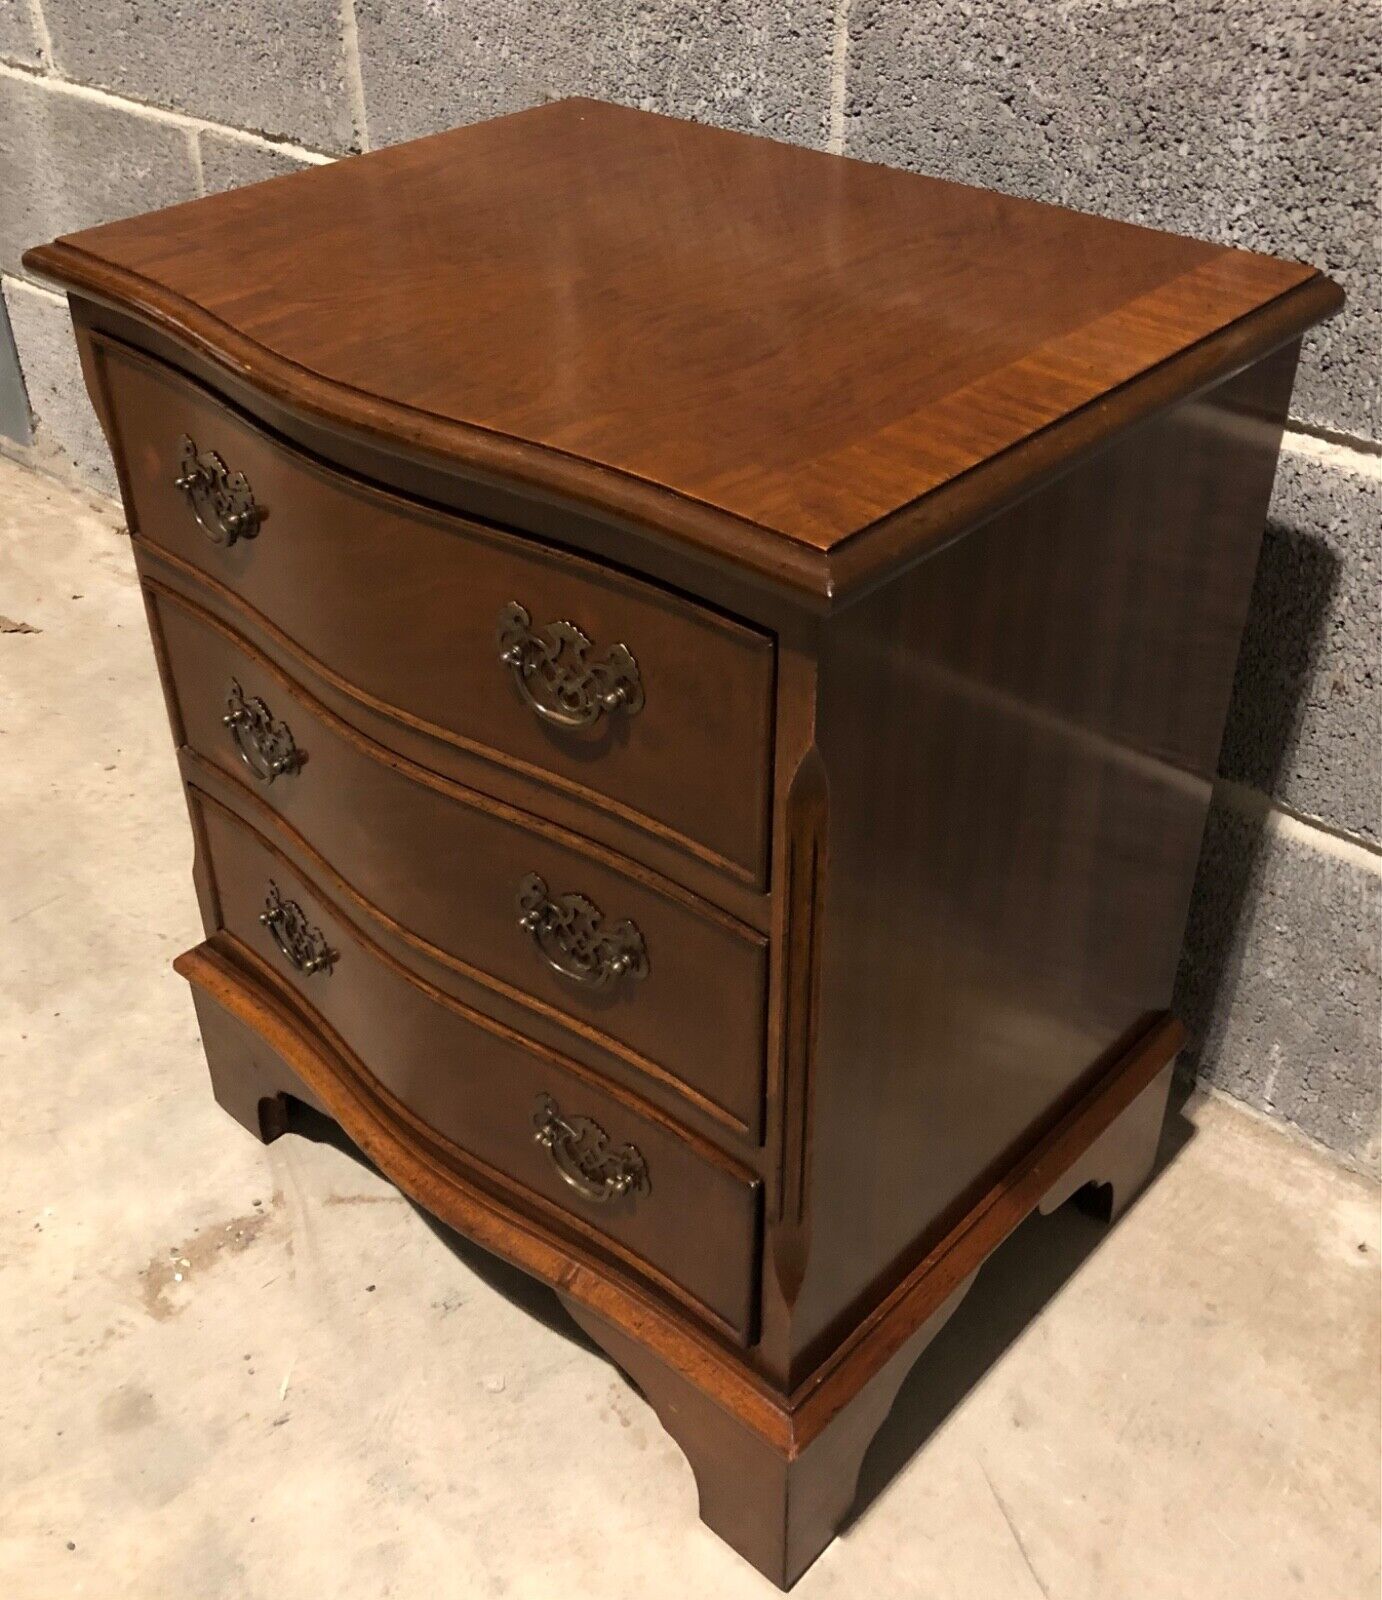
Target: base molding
(1120, 1160)
(1013, 1196)
(776, 1472)
(778, 1509)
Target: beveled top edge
(824, 579)
(421, 432)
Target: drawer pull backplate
(581, 1153)
(221, 500)
(265, 744)
(558, 674)
(303, 945)
(576, 941)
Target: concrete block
(15, 421)
(68, 162)
(257, 64)
(1305, 722)
(1251, 126)
(431, 64)
(18, 36)
(229, 162)
(1279, 981)
(67, 438)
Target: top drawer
(612, 690)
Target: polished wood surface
(779, 1509)
(1014, 746)
(582, 294)
(930, 518)
(604, 829)
(1114, 1169)
(477, 1085)
(775, 1472)
(401, 606)
(442, 866)
(747, 570)
(285, 1050)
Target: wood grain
(742, 1437)
(440, 866)
(401, 604)
(1018, 738)
(476, 1084)
(930, 516)
(796, 342)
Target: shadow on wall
(1297, 574)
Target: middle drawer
(673, 986)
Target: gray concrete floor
(259, 1374)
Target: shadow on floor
(530, 1296)
(1018, 1279)
(1014, 1284)
(1293, 596)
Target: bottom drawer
(617, 1171)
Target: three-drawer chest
(697, 668)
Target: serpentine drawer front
(461, 876)
(585, 678)
(698, 668)
(484, 1091)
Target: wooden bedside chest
(697, 667)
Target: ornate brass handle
(575, 940)
(558, 676)
(265, 744)
(581, 1153)
(303, 945)
(222, 501)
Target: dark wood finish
(778, 1509)
(776, 1473)
(1109, 1176)
(249, 1081)
(547, 1028)
(477, 1085)
(757, 575)
(947, 504)
(1014, 745)
(313, 1064)
(604, 830)
(853, 340)
(330, 550)
(441, 866)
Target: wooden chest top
(741, 341)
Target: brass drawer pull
(222, 501)
(265, 744)
(581, 1153)
(302, 944)
(557, 675)
(575, 940)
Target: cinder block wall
(1251, 124)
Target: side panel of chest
(1017, 740)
